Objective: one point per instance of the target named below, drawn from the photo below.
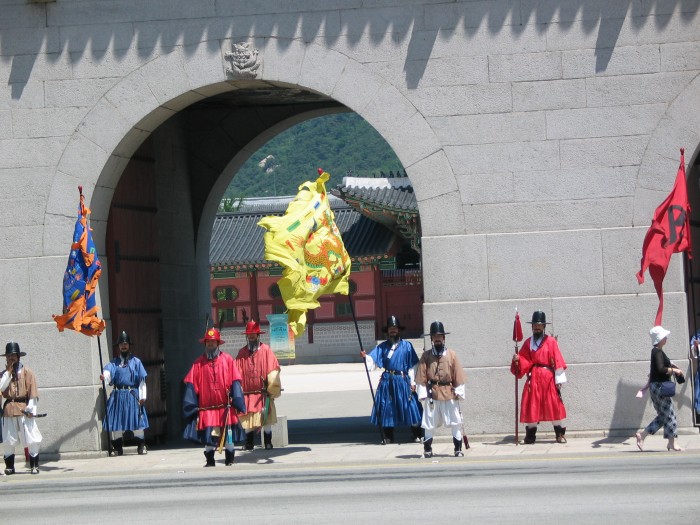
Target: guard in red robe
(213, 394)
(542, 362)
(261, 386)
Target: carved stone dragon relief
(244, 61)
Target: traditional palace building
(380, 228)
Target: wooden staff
(369, 380)
(517, 337)
(104, 399)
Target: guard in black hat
(436, 328)
(395, 403)
(126, 413)
(123, 338)
(542, 362)
(440, 385)
(19, 388)
(538, 317)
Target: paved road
(334, 472)
(620, 488)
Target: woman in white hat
(661, 370)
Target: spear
(517, 337)
(369, 380)
(226, 429)
(206, 327)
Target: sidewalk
(188, 460)
(327, 409)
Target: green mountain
(340, 144)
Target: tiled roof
(389, 193)
(236, 238)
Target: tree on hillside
(338, 143)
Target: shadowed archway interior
(160, 206)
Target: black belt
(439, 383)
(124, 388)
(17, 400)
(394, 373)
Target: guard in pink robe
(213, 395)
(541, 361)
(261, 386)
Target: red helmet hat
(212, 334)
(252, 328)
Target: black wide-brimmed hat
(12, 348)
(392, 320)
(123, 338)
(538, 317)
(436, 328)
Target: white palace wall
(539, 137)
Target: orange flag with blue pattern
(80, 280)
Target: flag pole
(517, 440)
(517, 337)
(364, 361)
(104, 399)
(689, 263)
(206, 327)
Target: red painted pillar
(254, 313)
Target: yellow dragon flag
(307, 243)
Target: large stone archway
(212, 143)
(96, 154)
(538, 139)
(678, 128)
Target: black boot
(10, 465)
(118, 446)
(388, 434)
(267, 437)
(141, 447)
(209, 454)
(530, 435)
(428, 448)
(229, 456)
(417, 433)
(250, 440)
(559, 431)
(458, 447)
(34, 463)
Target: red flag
(669, 233)
(517, 328)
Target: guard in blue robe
(695, 352)
(125, 406)
(395, 403)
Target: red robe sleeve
(558, 358)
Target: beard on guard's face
(393, 333)
(537, 330)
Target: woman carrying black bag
(661, 370)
